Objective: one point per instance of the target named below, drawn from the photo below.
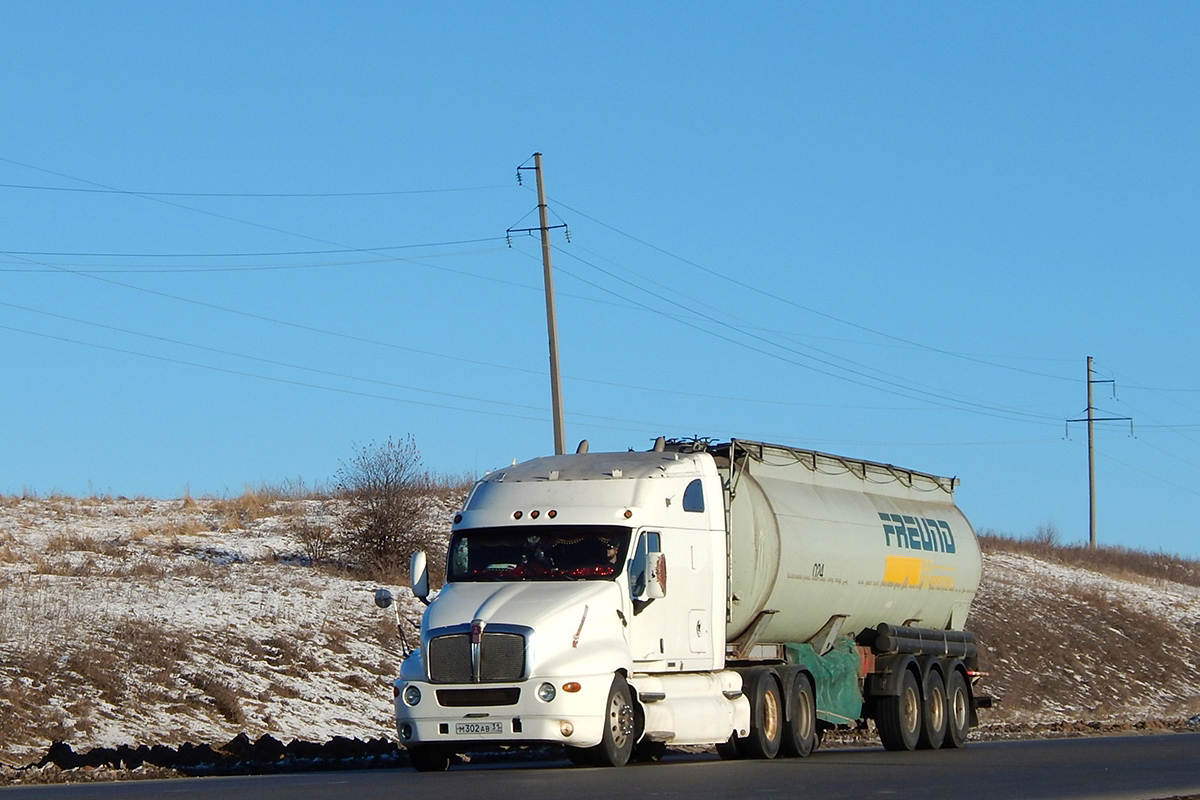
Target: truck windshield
(538, 553)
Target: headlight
(546, 692)
(412, 695)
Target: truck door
(672, 633)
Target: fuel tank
(816, 539)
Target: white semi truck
(741, 594)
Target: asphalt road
(1123, 768)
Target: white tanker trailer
(740, 594)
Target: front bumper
(513, 713)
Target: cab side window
(693, 496)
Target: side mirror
(418, 574)
(383, 598)
(648, 571)
(656, 576)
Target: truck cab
(575, 586)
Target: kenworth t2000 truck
(741, 594)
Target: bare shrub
(1046, 535)
(225, 700)
(387, 491)
(317, 540)
(151, 644)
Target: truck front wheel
(898, 718)
(616, 746)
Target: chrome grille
(501, 658)
(450, 658)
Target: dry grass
(1117, 562)
(187, 526)
(222, 696)
(1082, 649)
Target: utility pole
(548, 279)
(1091, 419)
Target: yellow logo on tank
(917, 573)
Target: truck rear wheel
(898, 718)
(426, 758)
(800, 732)
(616, 744)
(958, 710)
(933, 712)
(766, 716)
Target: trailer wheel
(426, 758)
(958, 711)
(898, 718)
(616, 744)
(800, 732)
(933, 712)
(766, 717)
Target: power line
(385, 193)
(775, 296)
(259, 254)
(262, 360)
(418, 351)
(179, 269)
(274, 321)
(963, 404)
(259, 376)
(173, 204)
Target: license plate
(478, 728)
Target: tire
(426, 758)
(958, 710)
(616, 744)
(728, 751)
(933, 712)
(898, 718)
(800, 732)
(766, 717)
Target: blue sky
(881, 230)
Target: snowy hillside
(147, 621)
